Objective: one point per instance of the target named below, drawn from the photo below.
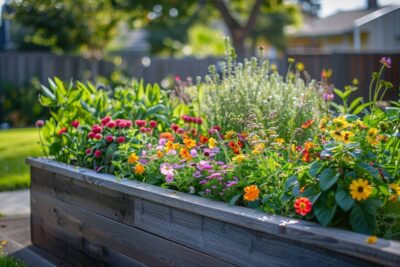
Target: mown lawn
(15, 146)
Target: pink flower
(180, 131)
(166, 169)
(120, 139)
(328, 96)
(199, 121)
(140, 123)
(111, 124)
(109, 138)
(39, 123)
(98, 136)
(91, 135)
(386, 61)
(75, 124)
(105, 120)
(88, 151)
(96, 128)
(143, 129)
(169, 177)
(153, 124)
(98, 153)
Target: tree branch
(226, 15)
(253, 16)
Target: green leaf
(339, 93)
(363, 216)
(392, 209)
(234, 199)
(343, 198)
(290, 181)
(312, 193)
(324, 213)
(315, 168)
(360, 108)
(351, 118)
(327, 178)
(354, 103)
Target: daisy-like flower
(212, 143)
(302, 206)
(239, 158)
(133, 158)
(166, 169)
(251, 193)
(360, 189)
(337, 135)
(184, 153)
(372, 136)
(340, 122)
(346, 136)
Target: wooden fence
(19, 68)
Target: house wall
(383, 32)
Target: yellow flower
(229, 134)
(169, 146)
(371, 239)
(133, 158)
(360, 124)
(159, 154)
(189, 143)
(323, 123)
(239, 158)
(280, 140)
(300, 66)
(251, 193)
(360, 189)
(337, 135)
(184, 153)
(346, 136)
(372, 136)
(139, 169)
(293, 148)
(258, 149)
(308, 145)
(340, 122)
(395, 188)
(212, 143)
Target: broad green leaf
(324, 213)
(47, 92)
(343, 198)
(290, 181)
(354, 103)
(338, 93)
(315, 168)
(360, 108)
(327, 178)
(234, 199)
(363, 216)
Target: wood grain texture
(87, 236)
(112, 204)
(328, 239)
(236, 244)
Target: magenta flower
(193, 152)
(328, 96)
(386, 61)
(197, 174)
(166, 169)
(39, 123)
(231, 183)
(169, 178)
(203, 165)
(214, 175)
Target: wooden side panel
(84, 237)
(112, 204)
(232, 243)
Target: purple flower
(169, 178)
(328, 96)
(197, 174)
(204, 165)
(172, 152)
(231, 183)
(208, 152)
(166, 169)
(203, 182)
(214, 175)
(220, 163)
(159, 148)
(214, 186)
(39, 123)
(386, 61)
(143, 161)
(178, 166)
(208, 191)
(193, 152)
(162, 141)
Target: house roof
(339, 23)
(374, 15)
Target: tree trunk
(238, 37)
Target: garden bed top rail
(382, 252)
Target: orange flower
(251, 193)
(308, 145)
(139, 169)
(189, 143)
(184, 153)
(167, 136)
(371, 239)
(133, 158)
(307, 124)
(303, 206)
(203, 139)
(159, 154)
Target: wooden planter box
(92, 219)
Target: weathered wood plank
(112, 204)
(236, 244)
(97, 237)
(383, 252)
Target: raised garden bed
(92, 219)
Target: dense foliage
(286, 154)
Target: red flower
(180, 131)
(198, 120)
(109, 138)
(203, 139)
(88, 151)
(306, 156)
(216, 127)
(174, 127)
(140, 123)
(105, 120)
(96, 128)
(75, 124)
(98, 153)
(143, 129)
(62, 130)
(303, 206)
(307, 124)
(153, 124)
(98, 136)
(39, 123)
(111, 124)
(121, 139)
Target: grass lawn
(15, 146)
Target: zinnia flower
(303, 206)
(360, 189)
(251, 193)
(139, 169)
(133, 158)
(184, 153)
(307, 124)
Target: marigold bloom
(133, 158)
(307, 124)
(159, 154)
(308, 145)
(212, 143)
(360, 189)
(139, 169)
(184, 153)
(189, 143)
(302, 206)
(239, 158)
(251, 193)
(371, 239)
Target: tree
(85, 26)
